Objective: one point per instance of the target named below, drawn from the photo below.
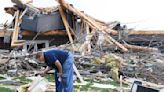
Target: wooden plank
(15, 42)
(23, 13)
(78, 74)
(18, 45)
(16, 28)
(141, 32)
(66, 26)
(140, 48)
(136, 48)
(72, 32)
(146, 32)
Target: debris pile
(146, 67)
(17, 60)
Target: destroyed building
(45, 26)
(46, 23)
(35, 28)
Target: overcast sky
(139, 14)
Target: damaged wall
(45, 22)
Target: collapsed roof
(40, 19)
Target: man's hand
(42, 73)
(59, 68)
(59, 79)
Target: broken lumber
(133, 47)
(90, 22)
(66, 25)
(140, 48)
(146, 32)
(142, 32)
(16, 28)
(131, 32)
(15, 41)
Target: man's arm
(59, 67)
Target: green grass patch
(103, 90)
(85, 87)
(23, 80)
(50, 77)
(93, 89)
(1, 78)
(5, 90)
(114, 83)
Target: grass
(87, 87)
(23, 80)
(5, 90)
(50, 77)
(103, 90)
(1, 78)
(114, 83)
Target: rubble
(148, 70)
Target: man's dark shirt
(52, 56)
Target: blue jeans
(66, 85)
